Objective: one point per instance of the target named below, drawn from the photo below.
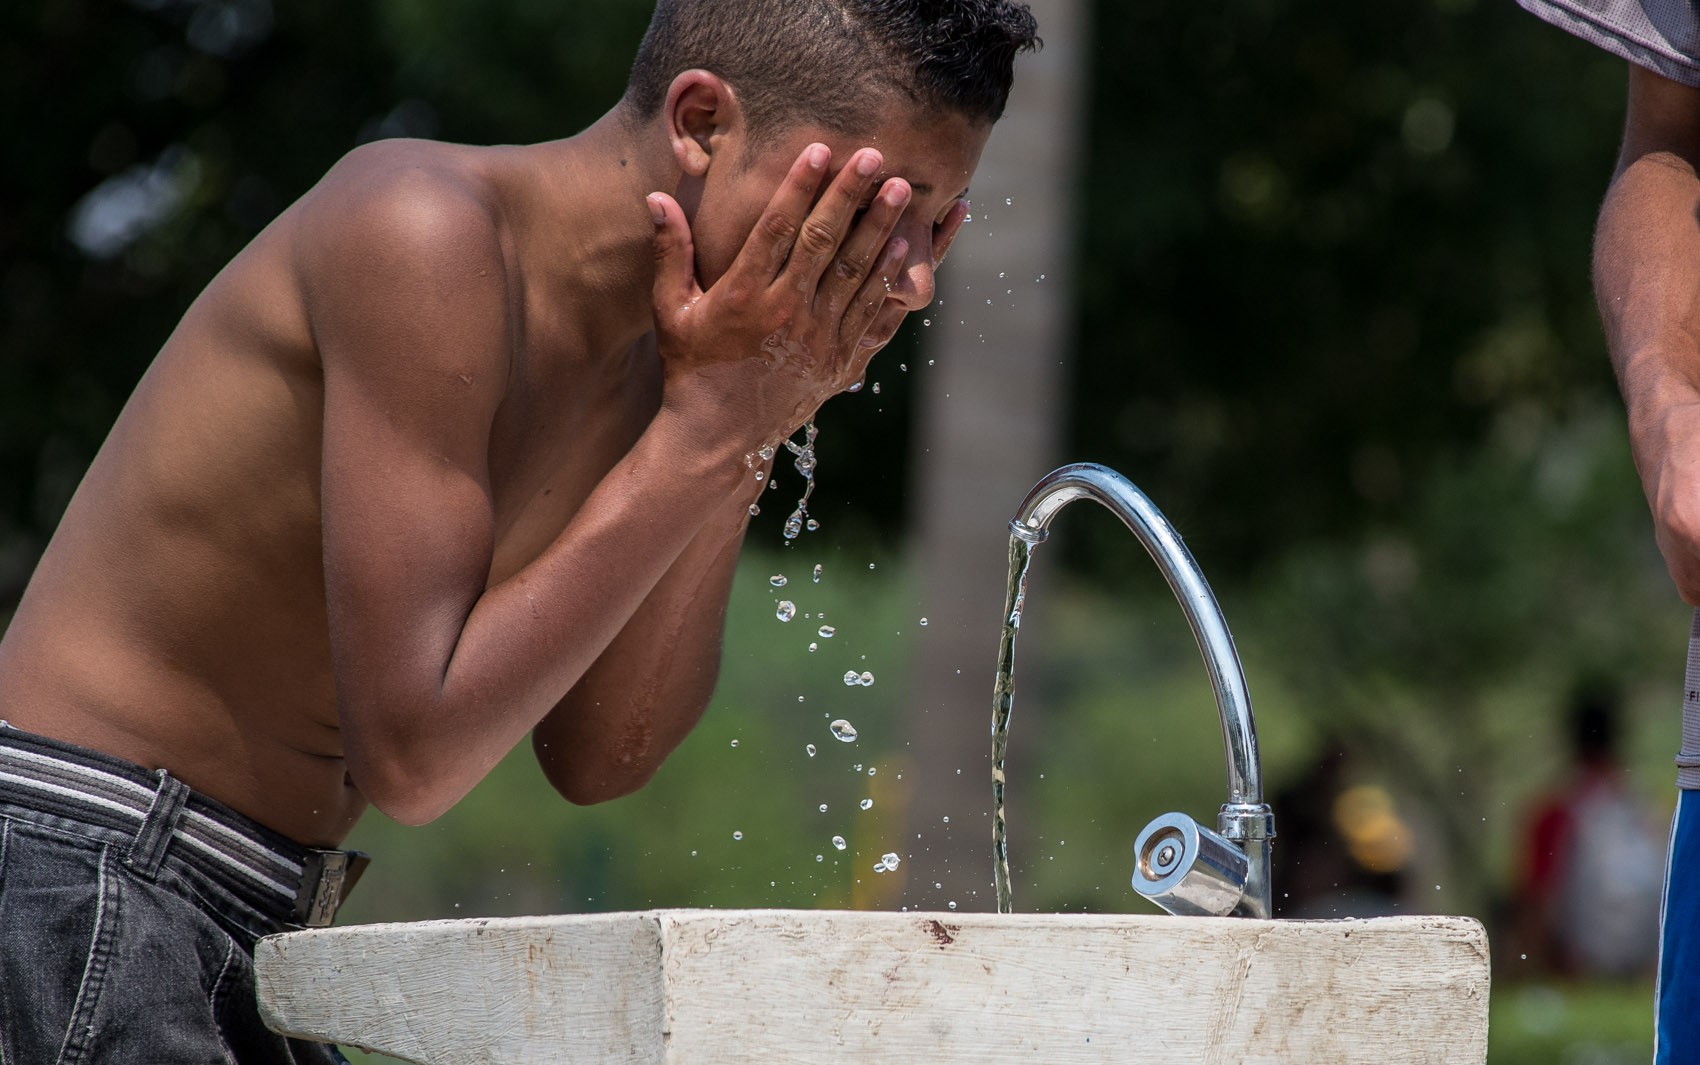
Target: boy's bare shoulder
(409, 233)
(399, 209)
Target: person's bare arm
(599, 742)
(437, 676)
(1647, 280)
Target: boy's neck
(583, 231)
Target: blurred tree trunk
(990, 424)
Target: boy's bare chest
(562, 428)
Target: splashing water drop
(926, 321)
(951, 904)
(876, 388)
(778, 580)
(857, 387)
(852, 679)
(838, 843)
(734, 743)
(891, 860)
(754, 510)
(843, 731)
(786, 610)
(872, 771)
(737, 835)
(813, 647)
(947, 819)
(867, 680)
(817, 572)
(823, 807)
(809, 747)
(827, 632)
(766, 452)
(866, 804)
(805, 463)
(923, 623)
(811, 525)
(820, 857)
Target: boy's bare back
(337, 547)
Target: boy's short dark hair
(824, 62)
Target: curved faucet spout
(1245, 818)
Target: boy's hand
(784, 328)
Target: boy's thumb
(675, 267)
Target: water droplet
(843, 731)
(778, 580)
(1008, 201)
(827, 632)
(817, 572)
(737, 835)
(926, 321)
(799, 698)
(813, 647)
(786, 610)
(870, 565)
(923, 623)
(1000, 274)
(754, 510)
(866, 804)
(809, 747)
(793, 525)
(876, 388)
(867, 680)
(820, 857)
(903, 366)
(823, 807)
(951, 904)
(947, 819)
(766, 452)
(852, 679)
(891, 860)
(734, 743)
(773, 485)
(1523, 957)
(811, 525)
(857, 387)
(872, 771)
(693, 854)
(838, 843)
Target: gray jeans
(114, 948)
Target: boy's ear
(702, 112)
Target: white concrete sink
(798, 986)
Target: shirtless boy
(460, 448)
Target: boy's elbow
(587, 785)
(401, 793)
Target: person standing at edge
(1647, 281)
(460, 448)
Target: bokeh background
(1312, 274)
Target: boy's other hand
(788, 324)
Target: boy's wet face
(936, 154)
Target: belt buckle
(326, 879)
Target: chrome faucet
(1178, 863)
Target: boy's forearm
(649, 688)
(530, 639)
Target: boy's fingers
(675, 255)
(823, 230)
(870, 299)
(769, 244)
(948, 229)
(861, 250)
